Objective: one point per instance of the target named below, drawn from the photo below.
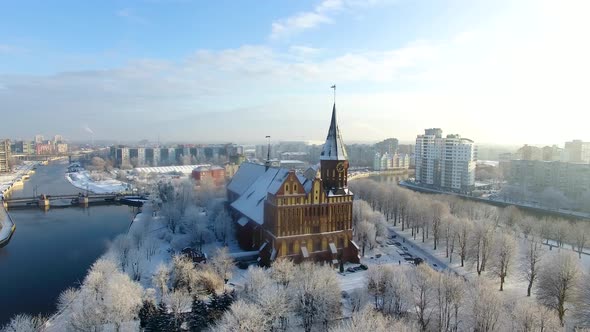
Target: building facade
(572, 179)
(4, 155)
(577, 151)
(447, 163)
(302, 216)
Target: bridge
(44, 201)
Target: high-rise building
(39, 138)
(4, 155)
(446, 163)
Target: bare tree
(422, 281)
(581, 309)
(439, 211)
(505, 247)
(529, 317)
(463, 230)
(557, 283)
(532, 257)
(449, 296)
(486, 306)
(580, 235)
(481, 244)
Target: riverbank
(7, 227)
(556, 212)
(83, 180)
(16, 178)
(360, 175)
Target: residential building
(4, 155)
(61, 148)
(302, 216)
(572, 179)
(447, 163)
(528, 152)
(213, 173)
(577, 151)
(44, 148)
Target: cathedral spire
(334, 147)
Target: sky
(503, 71)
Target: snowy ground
(6, 225)
(186, 169)
(83, 181)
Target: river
(52, 250)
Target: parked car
(351, 269)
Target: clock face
(340, 167)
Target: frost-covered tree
(243, 317)
(579, 236)
(361, 210)
(66, 298)
(122, 299)
(24, 323)
(449, 293)
(390, 288)
(315, 294)
(486, 308)
(528, 316)
(223, 226)
(422, 281)
(183, 275)
(283, 271)
(365, 233)
(161, 279)
(223, 264)
(581, 307)
(178, 302)
(504, 252)
(558, 281)
(369, 319)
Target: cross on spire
(334, 87)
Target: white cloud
(10, 49)
(321, 14)
(130, 15)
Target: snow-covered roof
(251, 201)
(244, 177)
(334, 147)
(305, 182)
(243, 221)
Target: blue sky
(207, 71)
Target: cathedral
(303, 216)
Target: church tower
(334, 160)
